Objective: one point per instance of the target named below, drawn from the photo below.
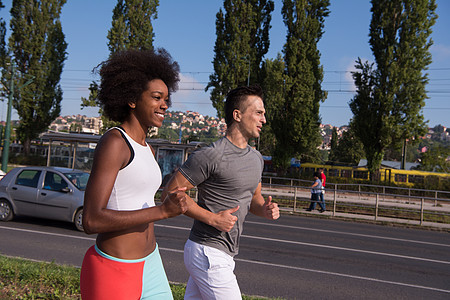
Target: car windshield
(79, 179)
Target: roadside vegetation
(25, 279)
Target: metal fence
(380, 189)
(380, 203)
(370, 202)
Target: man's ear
(237, 115)
(132, 105)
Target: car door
(55, 200)
(24, 191)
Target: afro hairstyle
(125, 76)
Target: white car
(43, 192)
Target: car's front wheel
(78, 221)
(6, 211)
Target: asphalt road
(292, 258)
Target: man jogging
(228, 177)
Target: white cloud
(351, 68)
(191, 95)
(440, 52)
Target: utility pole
(5, 153)
(403, 162)
(248, 76)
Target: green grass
(25, 279)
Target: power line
(343, 106)
(74, 87)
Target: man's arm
(264, 208)
(223, 220)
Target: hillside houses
(196, 123)
(190, 122)
(77, 123)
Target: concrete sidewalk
(445, 226)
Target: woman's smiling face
(152, 106)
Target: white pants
(211, 273)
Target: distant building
(423, 149)
(92, 125)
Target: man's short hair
(236, 97)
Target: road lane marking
(49, 233)
(259, 262)
(344, 275)
(327, 273)
(325, 246)
(349, 233)
(348, 249)
(261, 238)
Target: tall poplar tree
(2, 39)
(131, 28)
(273, 83)
(38, 49)
(296, 125)
(391, 95)
(242, 40)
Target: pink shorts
(107, 277)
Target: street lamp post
(248, 77)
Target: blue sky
(187, 30)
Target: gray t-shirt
(226, 176)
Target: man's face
(252, 117)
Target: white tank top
(137, 183)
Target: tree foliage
(370, 114)
(273, 83)
(435, 159)
(388, 105)
(38, 48)
(167, 133)
(242, 40)
(131, 28)
(348, 149)
(294, 118)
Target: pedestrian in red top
(322, 178)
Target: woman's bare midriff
(134, 243)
